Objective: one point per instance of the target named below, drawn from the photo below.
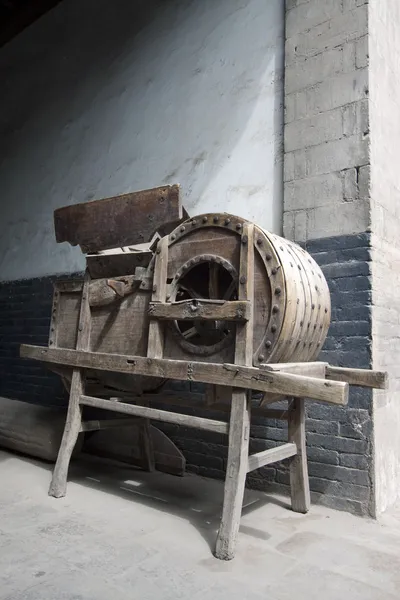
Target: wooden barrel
(291, 296)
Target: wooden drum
(291, 296)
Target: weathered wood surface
(103, 292)
(239, 427)
(285, 384)
(58, 486)
(299, 483)
(201, 310)
(156, 414)
(117, 263)
(119, 221)
(267, 457)
(360, 377)
(99, 424)
(31, 429)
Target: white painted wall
(384, 53)
(102, 98)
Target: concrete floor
(125, 534)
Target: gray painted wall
(101, 98)
(384, 51)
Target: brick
(356, 118)
(321, 190)
(330, 34)
(352, 506)
(314, 130)
(300, 75)
(324, 427)
(336, 155)
(334, 92)
(288, 166)
(355, 430)
(337, 443)
(340, 489)
(349, 269)
(364, 182)
(306, 16)
(354, 461)
(357, 283)
(352, 217)
(350, 328)
(337, 473)
(321, 455)
(362, 54)
(350, 185)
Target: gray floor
(122, 534)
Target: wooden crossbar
(286, 384)
(201, 310)
(156, 414)
(97, 424)
(266, 457)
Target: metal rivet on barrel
(259, 241)
(312, 306)
(278, 291)
(205, 219)
(274, 271)
(243, 279)
(268, 256)
(275, 309)
(216, 219)
(268, 344)
(194, 222)
(326, 310)
(244, 239)
(238, 226)
(158, 250)
(173, 236)
(227, 221)
(182, 228)
(261, 357)
(273, 328)
(301, 323)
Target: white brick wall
(326, 119)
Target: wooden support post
(155, 346)
(299, 484)
(239, 426)
(73, 423)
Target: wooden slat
(156, 414)
(299, 484)
(118, 221)
(118, 263)
(360, 377)
(58, 485)
(261, 459)
(239, 428)
(285, 384)
(200, 310)
(97, 424)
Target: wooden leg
(299, 484)
(58, 486)
(238, 452)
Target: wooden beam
(119, 221)
(200, 310)
(360, 377)
(261, 459)
(311, 369)
(286, 384)
(156, 414)
(96, 424)
(299, 483)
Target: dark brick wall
(338, 438)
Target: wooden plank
(285, 384)
(156, 414)
(119, 221)
(200, 310)
(117, 263)
(311, 369)
(261, 459)
(360, 377)
(58, 485)
(239, 428)
(299, 484)
(96, 425)
(155, 344)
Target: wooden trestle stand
(238, 376)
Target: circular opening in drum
(209, 279)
